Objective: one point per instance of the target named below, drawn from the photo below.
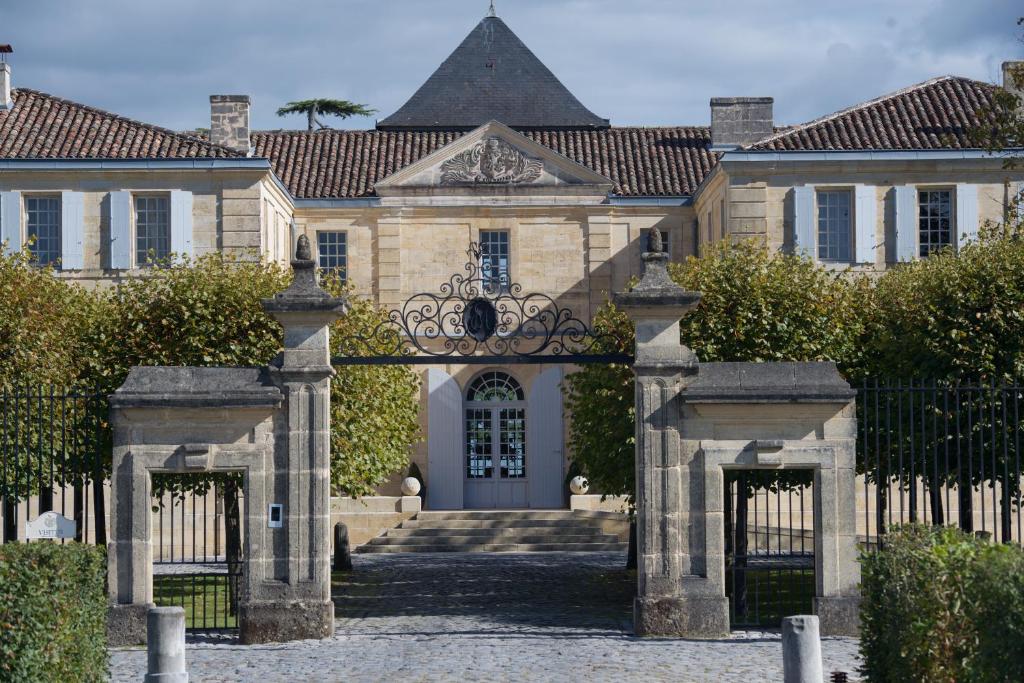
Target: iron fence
(52, 442)
(940, 453)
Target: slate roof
(41, 126)
(935, 114)
(492, 75)
(344, 164)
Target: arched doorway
(495, 426)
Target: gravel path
(489, 617)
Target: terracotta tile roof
(341, 163)
(935, 114)
(41, 126)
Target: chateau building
(493, 150)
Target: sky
(636, 62)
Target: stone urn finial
(654, 243)
(303, 252)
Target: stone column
(293, 601)
(674, 596)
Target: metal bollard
(165, 645)
(801, 650)
(342, 553)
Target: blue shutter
(804, 220)
(72, 219)
(906, 222)
(866, 215)
(10, 221)
(966, 213)
(121, 230)
(1019, 199)
(181, 223)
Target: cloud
(645, 62)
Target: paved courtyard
(489, 617)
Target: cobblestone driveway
(490, 617)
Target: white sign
(50, 525)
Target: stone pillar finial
(656, 305)
(305, 311)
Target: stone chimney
(1013, 80)
(229, 121)
(5, 78)
(737, 121)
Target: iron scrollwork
(473, 317)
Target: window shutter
(803, 220)
(866, 215)
(72, 217)
(1019, 201)
(10, 221)
(121, 230)
(181, 223)
(906, 222)
(966, 213)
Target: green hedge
(940, 605)
(53, 612)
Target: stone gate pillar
(294, 599)
(671, 596)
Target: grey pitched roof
(492, 75)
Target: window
(495, 428)
(721, 217)
(43, 228)
(494, 261)
(332, 252)
(152, 228)
(934, 220)
(666, 245)
(834, 231)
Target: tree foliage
(42, 322)
(314, 108)
(1002, 123)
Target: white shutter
(966, 213)
(866, 215)
(906, 222)
(444, 442)
(544, 455)
(72, 219)
(121, 230)
(181, 223)
(804, 220)
(10, 221)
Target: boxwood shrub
(940, 605)
(53, 612)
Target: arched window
(495, 428)
(494, 386)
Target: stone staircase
(509, 531)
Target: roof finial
(491, 12)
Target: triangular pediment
(494, 159)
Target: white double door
(496, 457)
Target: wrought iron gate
(479, 317)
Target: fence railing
(936, 453)
(51, 445)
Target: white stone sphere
(579, 485)
(410, 486)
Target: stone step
(503, 515)
(566, 539)
(494, 548)
(431, 532)
(419, 523)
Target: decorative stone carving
(491, 161)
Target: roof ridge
(795, 128)
(556, 129)
(125, 119)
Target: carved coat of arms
(491, 161)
